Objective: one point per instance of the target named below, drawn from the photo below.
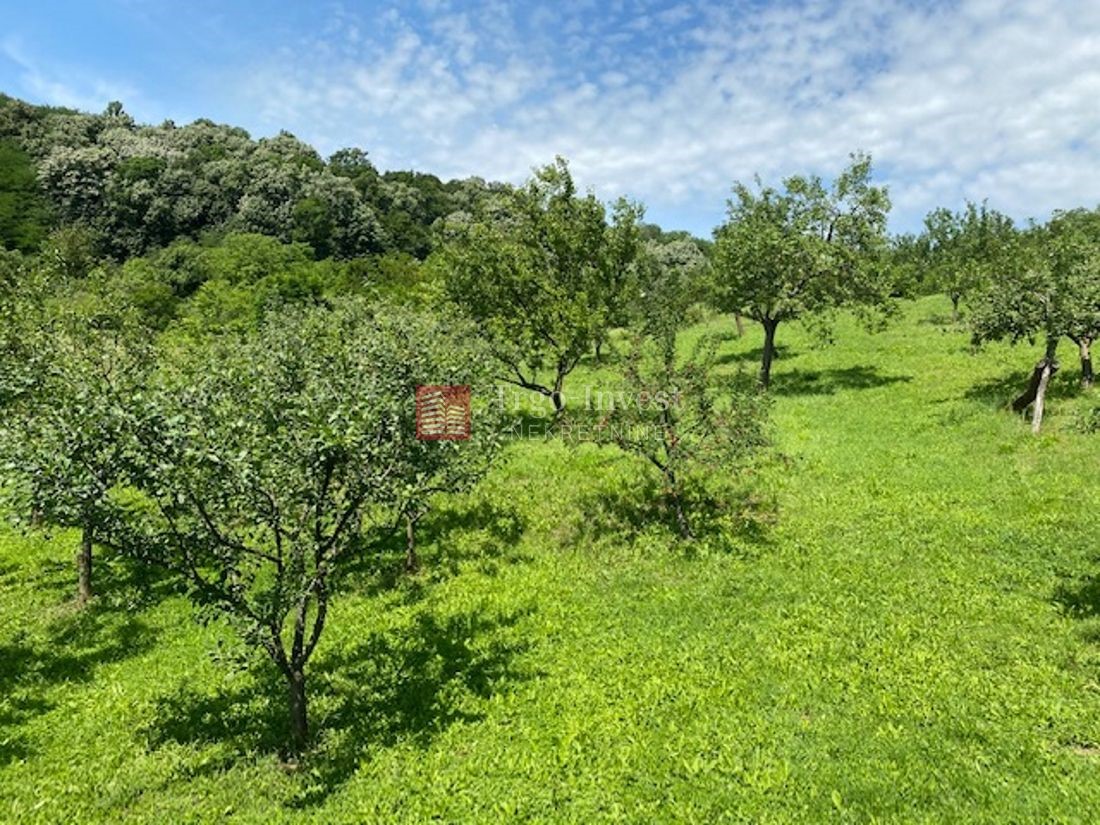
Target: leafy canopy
(805, 249)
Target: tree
(534, 269)
(806, 251)
(624, 245)
(907, 261)
(256, 459)
(1075, 251)
(960, 250)
(672, 411)
(82, 358)
(675, 268)
(440, 350)
(1046, 287)
(233, 283)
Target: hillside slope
(916, 638)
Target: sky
(665, 102)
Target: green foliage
(440, 350)
(230, 283)
(1047, 284)
(960, 252)
(689, 427)
(140, 187)
(84, 354)
(538, 269)
(671, 278)
(1074, 241)
(805, 251)
(24, 214)
(907, 263)
(71, 252)
(672, 411)
(22, 290)
(256, 458)
(399, 278)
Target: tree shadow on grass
(524, 423)
(72, 649)
(610, 357)
(404, 685)
(754, 356)
(999, 392)
(484, 532)
(945, 321)
(831, 381)
(118, 581)
(1079, 598)
(732, 518)
(455, 534)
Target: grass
(915, 638)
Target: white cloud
(87, 93)
(671, 103)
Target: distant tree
(907, 262)
(804, 252)
(676, 267)
(624, 245)
(1046, 288)
(961, 251)
(1074, 239)
(232, 284)
(534, 269)
(351, 163)
(399, 278)
(83, 358)
(440, 349)
(71, 252)
(21, 296)
(674, 412)
(75, 180)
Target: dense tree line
(135, 188)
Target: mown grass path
(917, 638)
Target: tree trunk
(769, 352)
(1027, 397)
(1040, 396)
(955, 298)
(599, 347)
(556, 396)
(299, 724)
(412, 561)
(84, 568)
(1086, 363)
(681, 519)
(739, 322)
(678, 505)
(1035, 394)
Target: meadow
(904, 625)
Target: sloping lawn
(916, 637)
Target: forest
(795, 522)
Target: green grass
(916, 638)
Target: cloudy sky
(668, 102)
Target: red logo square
(443, 412)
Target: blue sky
(667, 102)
